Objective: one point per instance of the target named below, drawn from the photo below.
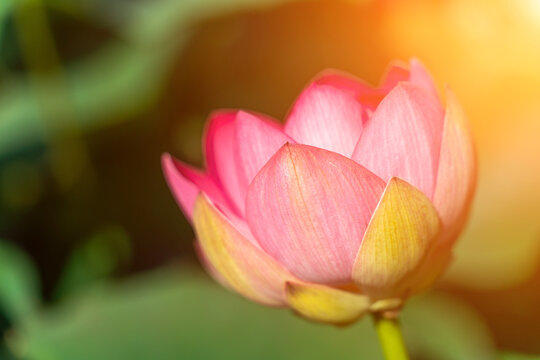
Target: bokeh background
(96, 260)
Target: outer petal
(327, 115)
(308, 208)
(222, 159)
(399, 236)
(186, 182)
(432, 267)
(240, 263)
(209, 267)
(457, 169)
(257, 140)
(326, 304)
(403, 138)
(238, 144)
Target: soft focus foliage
(82, 129)
(173, 313)
(18, 283)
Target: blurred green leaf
(5, 7)
(443, 328)
(169, 18)
(124, 77)
(102, 89)
(514, 356)
(18, 283)
(175, 314)
(98, 257)
(170, 315)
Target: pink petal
(309, 208)
(185, 183)
(222, 159)
(234, 260)
(417, 75)
(403, 138)
(371, 97)
(238, 144)
(368, 96)
(327, 115)
(396, 73)
(457, 169)
(421, 77)
(257, 139)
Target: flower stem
(390, 337)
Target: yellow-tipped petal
(235, 260)
(400, 234)
(386, 305)
(432, 267)
(326, 304)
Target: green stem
(390, 337)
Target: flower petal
(396, 73)
(257, 140)
(222, 158)
(402, 231)
(185, 183)
(457, 169)
(327, 115)
(238, 144)
(403, 138)
(209, 267)
(370, 97)
(421, 77)
(430, 269)
(417, 75)
(326, 304)
(239, 262)
(308, 208)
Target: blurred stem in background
(390, 337)
(68, 155)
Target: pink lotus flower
(352, 206)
